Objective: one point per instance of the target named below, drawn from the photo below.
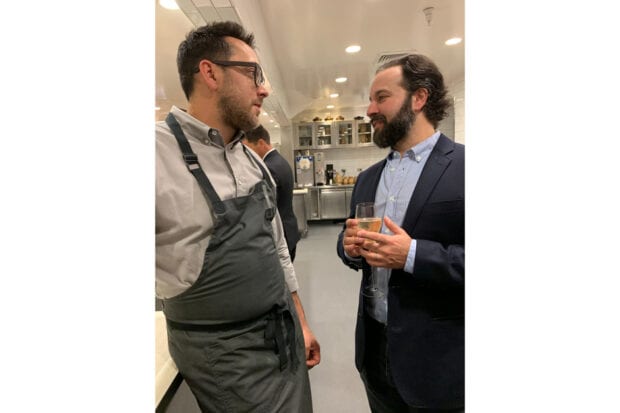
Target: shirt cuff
(410, 257)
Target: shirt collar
(419, 151)
(268, 152)
(200, 130)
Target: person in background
(259, 141)
(410, 335)
(236, 327)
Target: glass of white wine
(365, 215)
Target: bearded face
(236, 111)
(395, 130)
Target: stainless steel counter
(327, 186)
(299, 209)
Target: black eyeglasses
(259, 79)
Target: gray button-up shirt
(183, 218)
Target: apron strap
(191, 160)
(279, 318)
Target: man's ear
(207, 73)
(419, 99)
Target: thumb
(392, 226)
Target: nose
(262, 91)
(372, 109)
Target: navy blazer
(425, 309)
(283, 176)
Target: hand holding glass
(365, 214)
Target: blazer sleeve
(438, 265)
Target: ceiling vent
(387, 56)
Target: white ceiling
(300, 44)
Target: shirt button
(392, 198)
(417, 158)
(392, 169)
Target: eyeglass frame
(259, 77)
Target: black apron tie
(278, 319)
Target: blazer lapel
(436, 164)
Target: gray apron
(234, 334)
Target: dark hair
(207, 42)
(420, 72)
(257, 133)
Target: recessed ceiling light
(271, 120)
(341, 79)
(354, 48)
(157, 108)
(277, 126)
(169, 4)
(453, 41)
(329, 106)
(334, 95)
(265, 114)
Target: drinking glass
(365, 214)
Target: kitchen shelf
(329, 135)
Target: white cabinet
(344, 134)
(363, 133)
(314, 135)
(338, 134)
(304, 135)
(324, 137)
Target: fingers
(369, 235)
(350, 242)
(314, 355)
(351, 223)
(392, 226)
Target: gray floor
(328, 292)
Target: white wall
(458, 91)
(353, 160)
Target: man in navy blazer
(409, 337)
(260, 142)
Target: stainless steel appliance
(304, 170)
(333, 203)
(299, 209)
(319, 169)
(329, 174)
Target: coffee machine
(319, 168)
(329, 173)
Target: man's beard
(233, 113)
(395, 130)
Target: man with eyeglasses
(236, 328)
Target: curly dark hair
(420, 72)
(207, 42)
